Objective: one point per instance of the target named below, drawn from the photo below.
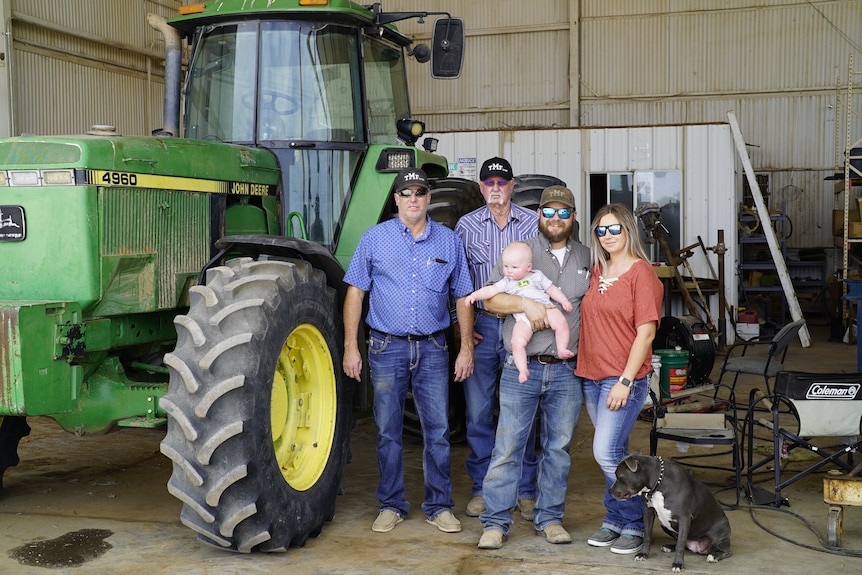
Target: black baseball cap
(410, 177)
(496, 167)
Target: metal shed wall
(88, 61)
(776, 63)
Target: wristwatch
(626, 381)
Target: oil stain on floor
(70, 550)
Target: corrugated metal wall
(94, 61)
(553, 63)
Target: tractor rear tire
(259, 415)
(12, 429)
(528, 188)
(451, 198)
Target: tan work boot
(527, 508)
(555, 534)
(386, 521)
(445, 522)
(476, 507)
(491, 539)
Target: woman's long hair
(634, 247)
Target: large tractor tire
(528, 188)
(258, 412)
(12, 429)
(451, 198)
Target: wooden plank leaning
(768, 231)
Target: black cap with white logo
(496, 167)
(410, 177)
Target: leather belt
(547, 358)
(409, 336)
(488, 313)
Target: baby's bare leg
(521, 334)
(558, 323)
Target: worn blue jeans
(480, 394)
(611, 445)
(555, 392)
(396, 365)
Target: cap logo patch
(498, 167)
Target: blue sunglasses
(615, 229)
(564, 213)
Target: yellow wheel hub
(304, 407)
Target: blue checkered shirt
(409, 281)
(485, 241)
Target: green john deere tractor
(196, 281)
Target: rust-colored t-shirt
(610, 316)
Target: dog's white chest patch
(663, 514)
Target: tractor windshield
(275, 81)
(308, 91)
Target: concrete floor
(117, 483)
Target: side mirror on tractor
(447, 48)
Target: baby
(520, 279)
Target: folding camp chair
(769, 365)
(823, 405)
(713, 428)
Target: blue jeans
(554, 391)
(611, 445)
(480, 394)
(396, 365)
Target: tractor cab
(324, 92)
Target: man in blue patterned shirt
(410, 266)
(486, 232)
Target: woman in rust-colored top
(619, 317)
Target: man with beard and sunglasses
(410, 266)
(552, 389)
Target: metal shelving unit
(851, 163)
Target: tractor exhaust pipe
(173, 71)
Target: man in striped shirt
(485, 233)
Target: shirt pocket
(479, 253)
(435, 276)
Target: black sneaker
(603, 537)
(627, 544)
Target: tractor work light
(409, 130)
(58, 177)
(24, 178)
(394, 159)
(37, 178)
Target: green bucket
(674, 370)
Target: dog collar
(649, 493)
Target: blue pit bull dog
(685, 507)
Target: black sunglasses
(564, 213)
(407, 192)
(615, 229)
